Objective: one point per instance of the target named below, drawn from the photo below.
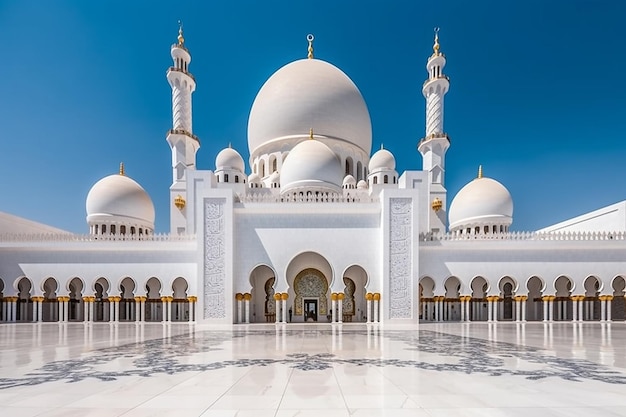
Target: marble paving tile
(475, 369)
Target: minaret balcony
(183, 132)
(433, 136)
(440, 77)
(181, 71)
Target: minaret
(434, 145)
(181, 139)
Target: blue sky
(537, 96)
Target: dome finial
(382, 146)
(310, 38)
(480, 171)
(122, 169)
(311, 133)
(181, 39)
(436, 45)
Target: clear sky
(537, 95)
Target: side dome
(305, 94)
(229, 158)
(482, 202)
(382, 160)
(311, 166)
(118, 199)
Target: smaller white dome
(311, 164)
(254, 178)
(362, 185)
(484, 201)
(349, 180)
(229, 158)
(118, 196)
(382, 160)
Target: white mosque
(316, 229)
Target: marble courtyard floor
(460, 369)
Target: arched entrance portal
(309, 279)
(263, 305)
(310, 302)
(354, 304)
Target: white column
(85, 310)
(39, 311)
(116, 309)
(340, 315)
(168, 304)
(545, 308)
(462, 309)
(277, 310)
(489, 309)
(333, 305)
(518, 308)
(436, 308)
(468, 305)
(574, 308)
(284, 310)
(523, 309)
(376, 312)
(142, 309)
(369, 311)
(137, 309)
(239, 308)
(551, 309)
(609, 301)
(581, 306)
(602, 308)
(14, 310)
(246, 305)
(495, 305)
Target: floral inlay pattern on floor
(455, 353)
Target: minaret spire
(310, 38)
(182, 141)
(435, 143)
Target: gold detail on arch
(312, 283)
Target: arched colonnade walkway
(310, 292)
(528, 301)
(97, 301)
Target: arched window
(123, 230)
(237, 179)
(112, 229)
(225, 177)
(274, 165)
(394, 179)
(104, 228)
(132, 230)
(385, 179)
(375, 180)
(95, 230)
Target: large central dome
(309, 94)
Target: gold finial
(436, 205)
(480, 171)
(436, 45)
(311, 133)
(181, 39)
(122, 169)
(310, 38)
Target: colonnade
(110, 309)
(575, 308)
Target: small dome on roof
(349, 180)
(119, 198)
(362, 185)
(382, 160)
(311, 164)
(229, 158)
(484, 201)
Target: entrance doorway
(310, 310)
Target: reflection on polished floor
(442, 369)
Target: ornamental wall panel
(214, 258)
(400, 258)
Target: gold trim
(310, 38)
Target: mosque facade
(317, 228)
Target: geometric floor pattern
(436, 369)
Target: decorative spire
(122, 169)
(181, 39)
(381, 146)
(436, 45)
(310, 38)
(480, 171)
(311, 133)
